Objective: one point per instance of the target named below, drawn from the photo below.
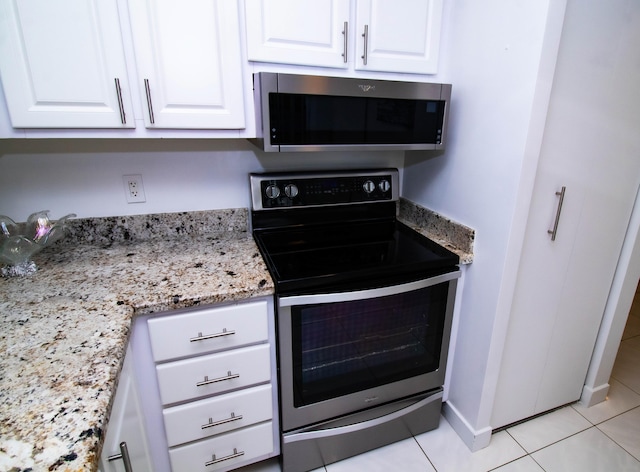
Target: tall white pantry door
(591, 148)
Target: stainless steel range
(364, 308)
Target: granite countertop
(65, 328)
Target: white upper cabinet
(375, 35)
(398, 36)
(295, 32)
(62, 64)
(189, 63)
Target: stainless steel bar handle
(226, 458)
(147, 89)
(212, 423)
(208, 381)
(124, 455)
(553, 232)
(365, 35)
(123, 116)
(345, 33)
(200, 337)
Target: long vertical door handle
(365, 35)
(553, 232)
(147, 89)
(345, 45)
(123, 117)
(124, 455)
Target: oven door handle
(337, 297)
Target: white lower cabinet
(215, 373)
(213, 405)
(218, 414)
(224, 452)
(125, 430)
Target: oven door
(348, 351)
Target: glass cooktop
(359, 254)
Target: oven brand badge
(370, 399)
(366, 88)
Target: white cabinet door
(189, 63)
(125, 425)
(62, 64)
(591, 148)
(295, 32)
(398, 36)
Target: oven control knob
(272, 191)
(291, 190)
(384, 185)
(368, 186)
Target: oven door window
(344, 347)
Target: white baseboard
(474, 439)
(594, 395)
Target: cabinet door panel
(125, 425)
(563, 285)
(402, 36)
(189, 63)
(59, 64)
(294, 32)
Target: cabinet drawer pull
(206, 380)
(345, 33)
(123, 116)
(365, 35)
(147, 89)
(224, 332)
(553, 232)
(211, 423)
(124, 455)
(226, 458)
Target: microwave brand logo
(367, 88)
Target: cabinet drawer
(220, 414)
(208, 330)
(213, 373)
(230, 449)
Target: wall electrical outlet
(133, 188)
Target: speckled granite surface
(64, 329)
(450, 234)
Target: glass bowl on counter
(20, 241)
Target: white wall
(85, 176)
(499, 56)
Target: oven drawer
(226, 451)
(208, 330)
(220, 414)
(214, 373)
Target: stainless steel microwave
(312, 113)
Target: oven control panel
(312, 189)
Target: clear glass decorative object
(20, 241)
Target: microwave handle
(369, 293)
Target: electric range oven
(364, 306)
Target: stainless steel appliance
(313, 113)
(364, 307)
